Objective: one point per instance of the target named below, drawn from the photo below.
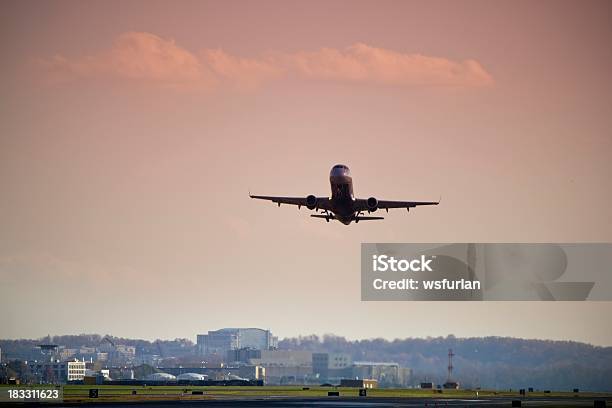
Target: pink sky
(131, 132)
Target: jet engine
(311, 202)
(372, 204)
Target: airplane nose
(340, 171)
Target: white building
(75, 370)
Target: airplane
(342, 205)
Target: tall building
(219, 342)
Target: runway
(352, 402)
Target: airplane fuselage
(342, 198)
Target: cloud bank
(146, 58)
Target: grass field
(107, 393)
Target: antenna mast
(450, 364)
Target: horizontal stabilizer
(329, 217)
(357, 219)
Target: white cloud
(147, 58)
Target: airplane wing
(322, 203)
(362, 205)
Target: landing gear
(357, 216)
(327, 215)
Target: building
(125, 352)
(331, 365)
(84, 350)
(57, 372)
(101, 356)
(387, 374)
(49, 372)
(404, 376)
(242, 356)
(75, 370)
(252, 372)
(126, 374)
(150, 359)
(115, 373)
(93, 378)
(285, 366)
(221, 341)
(67, 353)
(451, 385)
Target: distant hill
(487, 362)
